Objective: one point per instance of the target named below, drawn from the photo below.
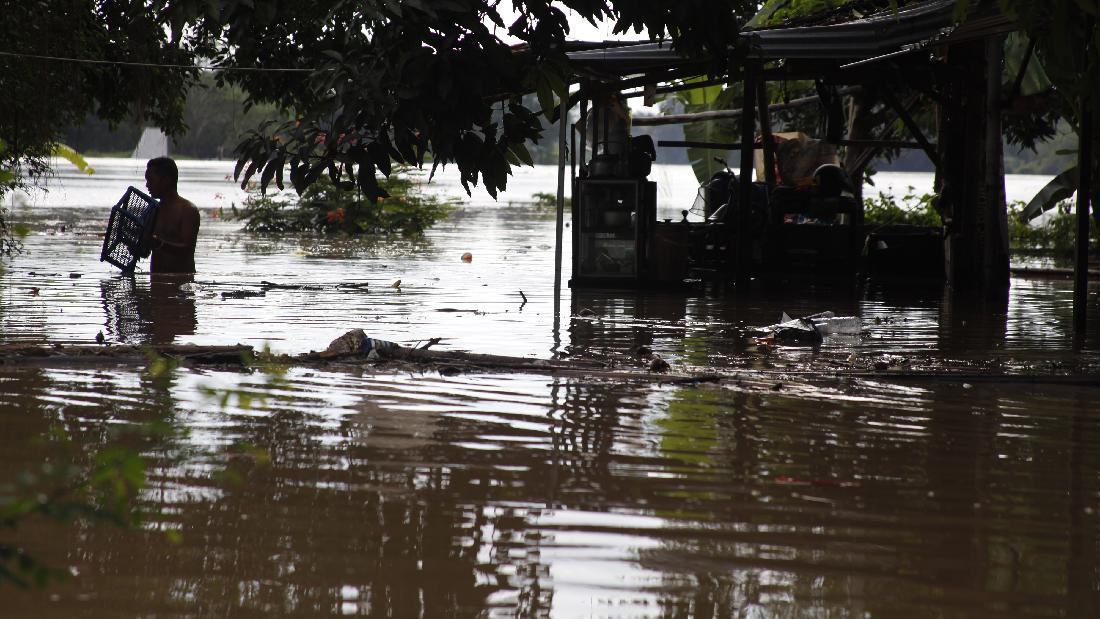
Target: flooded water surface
(806, 482)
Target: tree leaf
(521, 153)
(1060, 188)
(545, 93)
(72, 156)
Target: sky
(579, 30)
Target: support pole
(995, 256)
(563, 119)
(1084, 191)
(583, 152)
(766, 135)
(742, 240)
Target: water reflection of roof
(887, 32)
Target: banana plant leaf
(1060, 188)
(702, 100)
(1035, 79)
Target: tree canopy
(41, 94)
(371, 83)
(405, 82)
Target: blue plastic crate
(132, 220)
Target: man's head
(161, 175)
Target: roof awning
(920, 25)
(859, 39)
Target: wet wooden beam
(690, 144)
(98, 354)
(880, 144)
(911, 125)
(680, 119)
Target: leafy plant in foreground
(101, 490)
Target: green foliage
(704, 99)
(910, 209)
(216, 117)
(1059, 189)
(325, 207)
(8, 243)
(267, 214)
(381, 82)
(71, 155)
(779, 11)
(41, 97)
(545, 200)
(1061, 29)
(63, 489)
(776, 12)
(1057, 234)
(399, 82)
(272, 370)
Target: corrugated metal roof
(870, 37)
(858, 39)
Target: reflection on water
(785, 492)
(424, 496)
(156, 311)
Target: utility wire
(153, 64)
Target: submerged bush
(911, 209)
(324, 207)
(545, 200)
(1056, 234)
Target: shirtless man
(177, 227)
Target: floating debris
(243, 294)
(657, 364)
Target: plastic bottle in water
(369, 344)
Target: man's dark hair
(166, 167)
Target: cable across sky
(153, 65)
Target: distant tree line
(215, 118)
(1049, 157)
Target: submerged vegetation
(909, 209)
(328, 208)
(1054, 234)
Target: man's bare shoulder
(179, 205)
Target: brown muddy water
(792, 492)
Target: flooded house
(792, 204)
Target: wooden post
(563, 119)
(996, 255)
(584, 128)
(766, 135)
(971, 174)
(741, 239)
(582, 155)
(1084, 191)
